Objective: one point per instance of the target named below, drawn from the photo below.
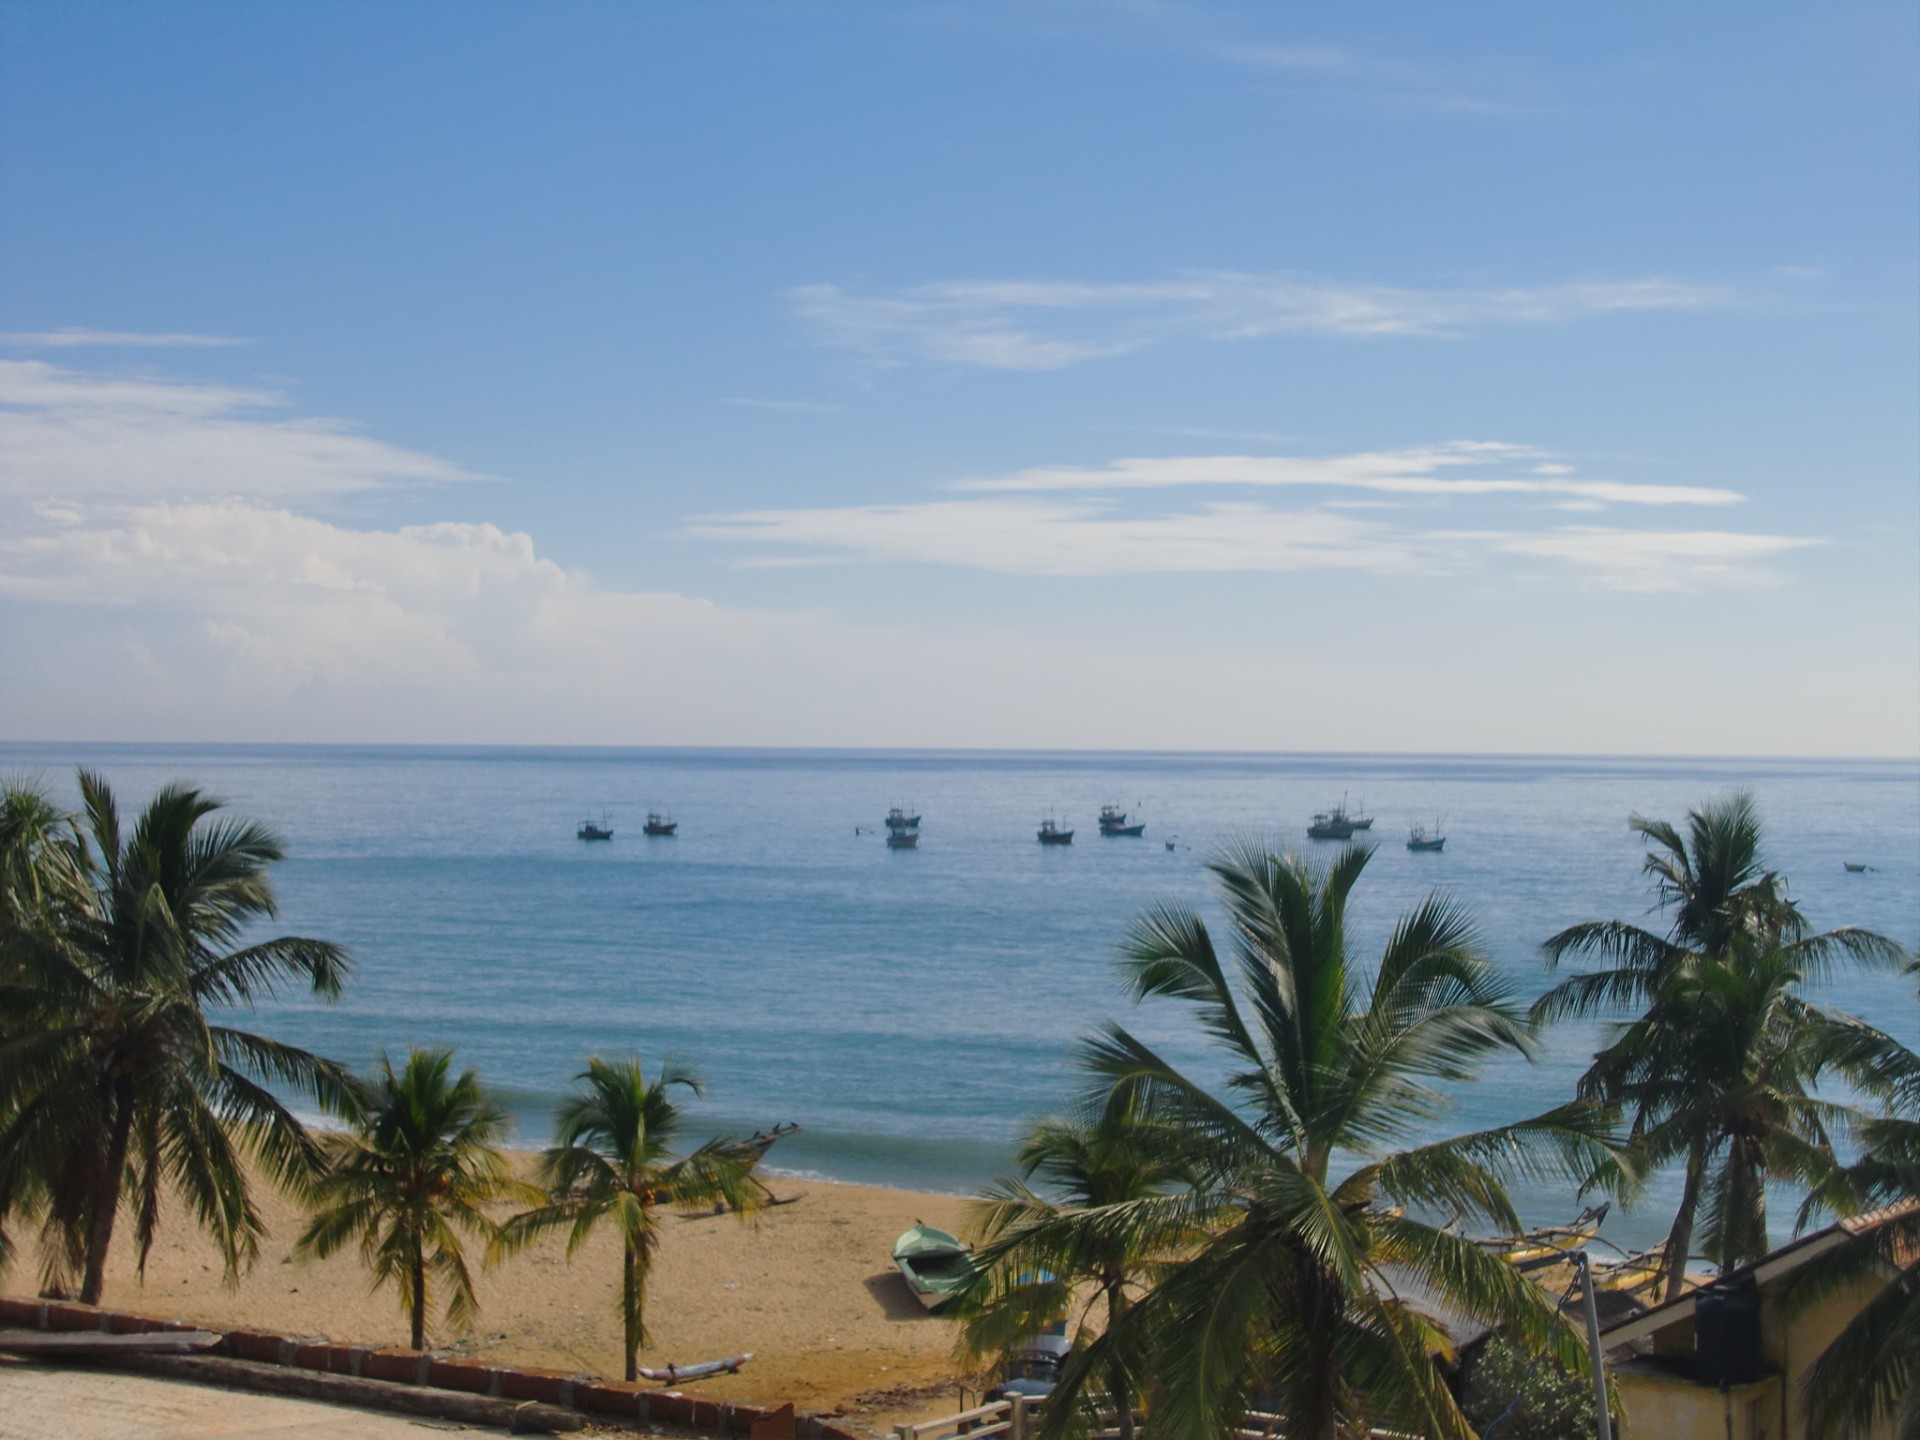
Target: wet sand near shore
(809, 1287)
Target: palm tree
(1035, 1249)
(1869, 1375)
(1718, 1069)
(1311, 1216)
(118, 1077)
(613, 1160)
(420, 1165)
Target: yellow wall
(1664, 1407)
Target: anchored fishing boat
(1419, 839)
(1052, 834)
(590, 831)
(658, 824)
(934, 1264)
(1113, 821)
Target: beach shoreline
(807, 1286)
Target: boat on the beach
(658, 824)
(1113, 821)
(1419, 839)
(1548, 1240)
(934, 1264)
(1052, 834)
(590, 831)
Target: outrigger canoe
(934, 1264)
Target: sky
(1478, 378)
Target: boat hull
(1139, 829)
(1427, 844)
(1056, 837)
(935, 1265)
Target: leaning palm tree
(120, 1076)
(1715, 1072)
(613, 1160)
(1035, 1249)
(420, 1165)
(1302, 1291)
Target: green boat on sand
(934, 1264)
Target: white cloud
(1051, 325)
(85, 436)
(1419, 471)
(1653, 559)
(72, 337)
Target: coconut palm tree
(120, 1078)
(1869, 1375)
(613, 1160)
(1717, 1072)
(1304, 1290)
(420, 1165)
(1035, 1251)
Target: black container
(1726, 1335)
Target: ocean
(913, 1010)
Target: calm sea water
(912, 1010)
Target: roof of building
(1769, 1267)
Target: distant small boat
(1338, 823)
(934, 1264)
(902, 839)
(1052, 834)
(1113, 821)
(1419, 839)
(898, 819)
(1853, 869)
(1330, 825)
(590, 831)
(658, 824)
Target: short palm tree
(120, 1078)
(1718, 1070)
(1035, 1248)
(419, 1166)
(613, 1160)
(1310, 1208)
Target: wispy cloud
(1337, 71)
(1502, 471)
(73, 337)
(1026, 526)
(82, 435)
(1051, 325)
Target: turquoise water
(913, 1009)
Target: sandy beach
(807, 1287)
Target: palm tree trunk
(630, 1312)
(418, 1279)
(1680, 1238)
(1118, 1380)
(105, 1199)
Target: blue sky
(1497, 378)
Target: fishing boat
(658, 824)
(590, 831)
(1052, 834)
(1419, 839)
(1549, 1240)
(902, 839)
(1853, 869)
(1330, 825)
(934, 1264)
(898, 819)
(1357, 818)
(1113, 821)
